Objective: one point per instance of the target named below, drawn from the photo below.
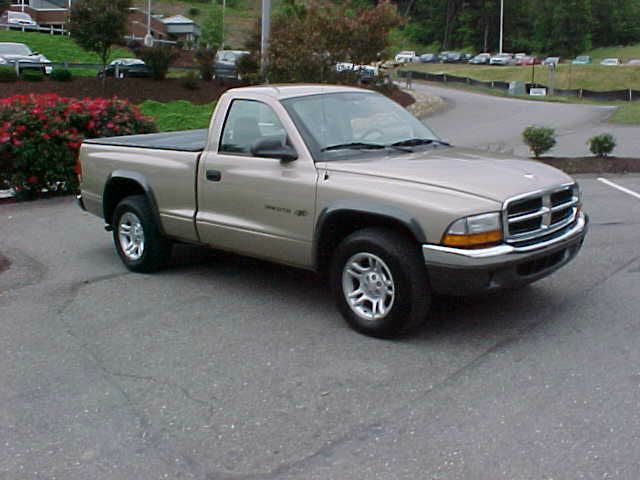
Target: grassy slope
(626, 53)
(178, 115)
(240, 15)
(627, 114)
(591, 77)
(56, 48)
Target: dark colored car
(126, 67)
(450, 57)
(12, 53)
(226, 65)
(429, 58)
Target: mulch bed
(594, 164)
(136, 90)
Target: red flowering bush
(40, 136)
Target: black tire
(411, 292)
(156, 250)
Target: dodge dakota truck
(342, 181)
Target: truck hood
(488, 175)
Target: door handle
(214, 175)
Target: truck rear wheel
(137, 237)
(380, 283)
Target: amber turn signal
(474, 240)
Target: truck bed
(182, 141)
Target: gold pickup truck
(342, 181)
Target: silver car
(18, 53)
(19, 19)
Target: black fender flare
(379, 210)
(140, 180)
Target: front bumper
(458, 271)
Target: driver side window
(247, 122)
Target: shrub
(40, 136)
(32, 76)
(205, 58)
(61, 75)
(158, 58)
(602, 145)
(190, 81)
(193, 11)
(539, 139)
(8, 74)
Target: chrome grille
(540, 214)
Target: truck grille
(532, 217)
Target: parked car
(582, 60)
(502, 59)
(126, 67)
(633, 62)
(465, 57)
(450, 57)
(226, 64)
(528, 61)
(611, 62)
(406, 56)
(555, 61)
(429, 58)
(344, 182)
(12, 53)
(481, 59)
(366, 73)
(18, 19)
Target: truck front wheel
(380, 283)
(137, 237)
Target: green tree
(96, 25)
(212, 27)
(4, 5)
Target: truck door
(262, 207)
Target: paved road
(496, 123)
(228, 368)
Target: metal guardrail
(35, 28)
(627, 95)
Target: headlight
(473, 232)
(3, 61)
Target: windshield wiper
(414, 142)
(355, 146)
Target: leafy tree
(158, 58)
(96, 25)
(4, 5)
(212, 27)
(306, 43)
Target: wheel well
(342, 224)
(116, 190)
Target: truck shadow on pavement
(495, 314)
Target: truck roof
(281, 92)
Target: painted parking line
(619, 187)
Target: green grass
(178, 115)
(627, 114)
(590, 77)
(626, 53)
(57, 48)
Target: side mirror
(272, 147)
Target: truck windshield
(339, 125)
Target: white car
(502, 59)
(19, 19)
(406, 56)
(611, 62)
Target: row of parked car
(500, 59)
(21, 56)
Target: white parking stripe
(618, 187)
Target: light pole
(266, 30)
(22, 5)
(501, 24)
(224, 6)
(148, 38)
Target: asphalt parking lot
(229, 368)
